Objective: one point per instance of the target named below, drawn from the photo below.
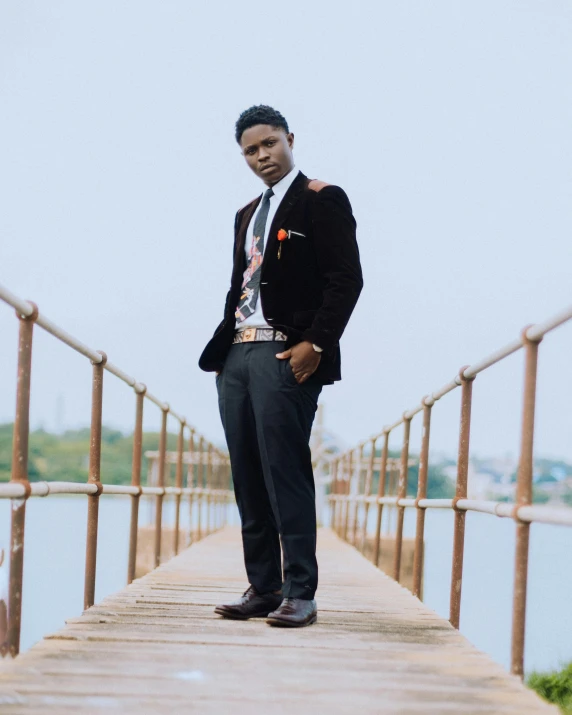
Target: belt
(258, 335)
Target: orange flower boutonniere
(282, 236)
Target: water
(54, 559)
(55, 553)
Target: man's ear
(290, 139)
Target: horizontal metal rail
(11, 490)
(534, 333)
(27, 309)
(353, 473)
(207, 468)
(531, 514)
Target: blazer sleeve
(227, 299)
(236, 222)
(339, 264)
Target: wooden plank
(157, 647)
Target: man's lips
(267, 166)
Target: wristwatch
(317, 349)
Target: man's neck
(280, 179)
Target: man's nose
(263, 154)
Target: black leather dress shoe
(250, 605)
(294, 613)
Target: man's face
(268, 152)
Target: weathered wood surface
(157, 647)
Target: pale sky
(447, 123)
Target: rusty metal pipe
(343, 494)
(524, 498)
(215, 497)
(333, 490)
(401, 494)
(393, 475)
(340, 493)
(19, 476)
(358, 485)
(191, 480)
(209, 486)
(421, 494)
(179, 483)
(367, 492)
(230, 483)
(136, 481)
(348, 494)
(200, 486)
(338, 506)
(94, 477)
(340, 490)
(380, 495)
(461, 493)
(161, 484)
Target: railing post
(523, 497)
(367, 493)
(136, 478)
(219, 491)
(394, 466)
(230, 487)
(333, 491)
(380, 494)
(20, 476)
(209, 486)
(428, 403)
(179, 483)
(191, 480)
(221, 471)
(357, 495)
(401, 494)
(340, 492)
(461, 493)
(200, 479)
(94, 477)
(214, 487)
(348, 495)
(222, 478)
(161, 484)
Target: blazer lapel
(239, 256)
(290, 198)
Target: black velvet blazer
(309, 292)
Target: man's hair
(259, 114)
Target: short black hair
(259, 114)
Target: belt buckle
(249, 335)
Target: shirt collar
(284, 184)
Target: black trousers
(267, 418)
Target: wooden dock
(157, 647)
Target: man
(295, 281)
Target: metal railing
(208, 474)
(351, 496)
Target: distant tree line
(65, 457)
(439, 486)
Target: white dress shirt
(256, 320)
